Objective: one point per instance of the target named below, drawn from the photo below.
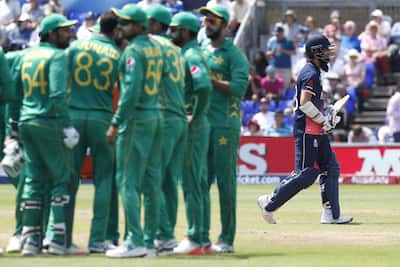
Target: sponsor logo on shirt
(196, 72)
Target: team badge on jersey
(195, 71)
(130, 64)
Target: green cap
(131, 12)
(186, 20)
(218, 11)
(54, 21)
(159, 13)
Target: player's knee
(306, 177)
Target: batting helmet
(319, 47)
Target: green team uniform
(139, 137)
(194, 183)
(175, 127)
(44, 114)
(94, 70)
(12, 112)
(227, 63)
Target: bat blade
(338, 106)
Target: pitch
(297, 239)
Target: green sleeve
(201, 83)
(58, 78)
(7, 84)
(131, 67)
(239, 69)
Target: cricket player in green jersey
(94, 70)
(11, 120)
(184, 28)
(7, 86)
(172, 100)
(138, 124)
(229, 74)
(46, 133)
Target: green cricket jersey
(173, 78)
(7, 84)
(227, 63)
(43, 77)
(197, 83)
(140, 69)
(94, 65)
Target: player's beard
(62, 41)
(214, 34)
(177, 38)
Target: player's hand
(327, 125)
(71, 137)
(189, 118)
(111, 134)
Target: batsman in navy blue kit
(313, 121)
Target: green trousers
(47, 166)
(112, 231)
(222, 161)
(139, 171)
(194, 182)
(92, 127)
(18, 183)
(173, 152)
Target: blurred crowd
(361, 62)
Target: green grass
(297, 240)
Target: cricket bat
(339, 105)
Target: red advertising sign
(271, 157)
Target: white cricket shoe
(14, 244)
(1, 252)
(75, 250)
(327, 218)
(165, 247)
(262, 202)
(151, 253)
(126, 251)
(57, 249)
(109, 244)
(188, 247)
(222, 247)
(30, 248)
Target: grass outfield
(373, 239)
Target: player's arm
(131, 84)
(309, 108)
(7, 84)
(239, 72)
(201, 81)
(58, 79)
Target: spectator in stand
(260, 63)
(354, 75)
(20, 36)
(349, 38)
(272, 85)
(253, 129)
(290, 26)
(384, 26)
(288, 118)
(371, 42)
(393, 115)
(311, 24)
(83, 32)
(10, 10)
(333, 30)
(385, 135)
(53, 6)
(349, 110)
(34, 10)
(254, 84)
(249, 108)
(337, 61)
(175, 6)
(239, 10)
(361, 134)
(279, 50)
(279, 128)
(147, 3)
(265, 118)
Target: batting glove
(71, 137)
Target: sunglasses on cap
(212, 21)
